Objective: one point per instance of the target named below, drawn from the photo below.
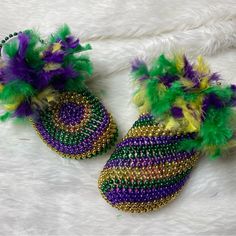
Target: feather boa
(188, 97)
(34, 71)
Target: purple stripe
(71, 113)
(84, 146)
(117, 195)
(141, 141)
(148, 161)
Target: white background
(43, 194)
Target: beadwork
(146, 170)
(77, 126)
(184, 113)
(43, 81)
(3, 41)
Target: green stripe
(130, 152)
(138, 184)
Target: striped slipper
(43, 81)
(185, 113)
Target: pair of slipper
(184, 113)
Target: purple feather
(24, 109)
(211, 100)
(233, 100)
(45, 77)
(17, 68)
(59, 81)
(233, 87)
(215, 77)
(2, 75)
(23, 44)
(167, 80)
(190, 73)
(136, 64)
(56, 57)
(177, 112)
(71, 42)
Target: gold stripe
(139, 207)
(151, 172)
(97, 146)
(151, 130)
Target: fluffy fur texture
(42, 194)
(188, 97)
(32, 70)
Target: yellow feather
(44, 98)
(201, 66)
(204, 84)
(179, 62)
(192, 117)
(13, 106)
(145, 108)
(51, 66)
(1, 87)
(172, 124)
(161, 89)
(138, 97)
(187, 83)
(56, 47)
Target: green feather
(81, 48)
(14, 90)
(75, 85)
(80, 63)
(215, 132)
(163, 66)
(5, 116)
(10, 48)
(224, 93)
(34, 50)
(141, 71)
(162, 101)
(62, 33)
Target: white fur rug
(43, 194)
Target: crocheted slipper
(44, 81)
(185, 112)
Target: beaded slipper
(185, 112)
(44, 82)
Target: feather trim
(34, 71)
(187, 96)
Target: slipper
(43, 81)
(184, 113)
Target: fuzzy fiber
(43, 194)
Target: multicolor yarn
(146, 170)
(44, 81)
(184, 112)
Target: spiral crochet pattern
(146, 170)
(77, 126)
